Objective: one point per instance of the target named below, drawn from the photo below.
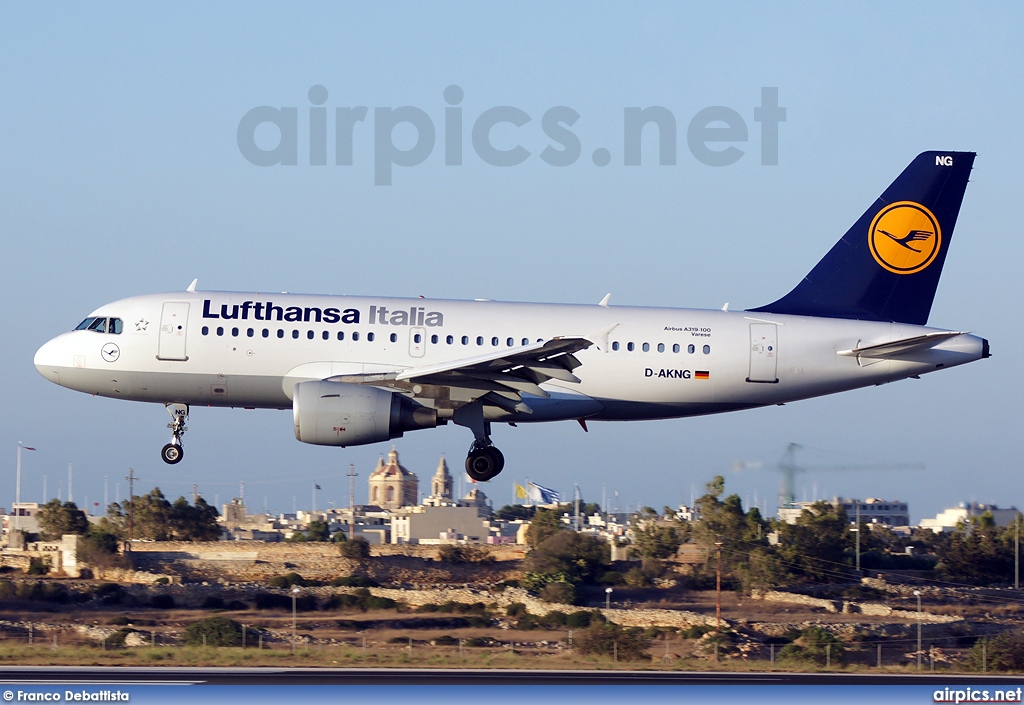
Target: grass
(343, 656)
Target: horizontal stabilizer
(904, 346)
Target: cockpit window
(102, 325)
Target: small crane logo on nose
(110, 352)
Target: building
(882, 512)
(427, 524)
(948, 519)
(876, 511)
(440, 487)
(393, 486)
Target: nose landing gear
(173, 452)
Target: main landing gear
(173, 452)
(484, 461)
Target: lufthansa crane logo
(904, 237)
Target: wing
(497, 379)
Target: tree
(216, 631)
(98, 549)
(357, 549)
(606, 639)
(815, 545)
(577, 557)
(545, 523)
(56, 519)
(653, 539)
(157, 519)
(978, 553)
(318, 531)
(511, 512)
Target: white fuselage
(249, 350)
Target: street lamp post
(917, 594)
(718, 588)
(607, 598)
(17, 490)
(295, 595)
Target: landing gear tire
(484, 463)
(172, 454)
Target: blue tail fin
(887, 266)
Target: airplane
(357, 370)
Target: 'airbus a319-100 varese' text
(360, 370)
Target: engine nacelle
(341, 414)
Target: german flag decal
(701, 374)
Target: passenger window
(250, 332)
(465, 340)
(115, 326)
(341, 335)
(220, 330)
(266, 333)
(661, 347)
(433, 339)
(394, 338)
(494, 341)
(615, 345)
(675, 348)
(479, 340)
(690, 349)
(707, 349)
(355, 336)
(234, 332)
(647, 347)
(295, 334)
(418, 338)
(630, 347)
(526, 341)
(310, 334)
(510, 342)
(450, 339)
(206, 330)
(370, 337)
(326, 335)
(280, 333)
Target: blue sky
(120, 174)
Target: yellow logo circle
(904, 237)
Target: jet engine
(342, 414)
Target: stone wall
(257, 561)
(869, 608)
(509, 596)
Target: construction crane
(788, 467)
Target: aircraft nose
(48, 360)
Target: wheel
(172, 454)
(484, 464)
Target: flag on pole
(27, 448)
(540, 494)
(317, 486)
(520, 490)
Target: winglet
(726, 307)
(192, 287)
(605, 300)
